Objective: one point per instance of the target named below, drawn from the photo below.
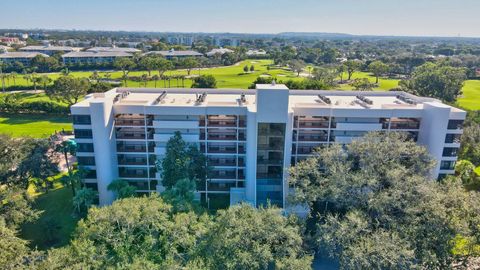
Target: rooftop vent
(200, 98)
(325, 99)
(120, 96)
(406, 99)
(365, 99)
(160, 98)
(243, 99)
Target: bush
(204, 81)
(10, 103)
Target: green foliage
(245, 68)
(147, 233)
(436, 80)
(17, 103)
(68, 89)
(15, 207)
(83, 199)
(204, 81)
(182, 161)
(378, 68)
(470, 144)
(466, 171)
(362, 84)
(14, 249)
(181, 196)
(134, 231)
(296, 66)
(189, 63)
(351, 66)
(378, 209)
(122, 189)
(243, 237)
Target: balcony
(134, 148)
(192, 124)
(223, 175)
(313, 124)
(222, 162)
(142, 161)
(164, 137)
(269, 175)
(359, 126)
(222, 136)
(220, 186)
(222, 149)
(312, 138)
(133, 173)
(222, 123)
(405, 124)
(270, 161)
(130, 122)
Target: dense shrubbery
(11, 103)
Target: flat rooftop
(96, 54)
(50, 48)
(245, 97)
(21, 54)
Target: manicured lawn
(227, 77)
(56, 223)
(34, 125)
(384, 84)
(471, 95)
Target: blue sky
(375, 17)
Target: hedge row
(33, 107)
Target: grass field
(227, 77)
(33, 125)
(56, 223)
(471, 95)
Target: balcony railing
(312, 138)
(269, 175)
(226, 175)
(313, 124)
(221, 123)
(220, 162)
(222, 137)
(405, 125)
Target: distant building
(74, 43)
(223, 42)
(256, 53)
(175, 54)
(11, 41)
(4, 49)
(220, 51)
(49, 49)
(23, 57)
(114, 49)
(180, 40)
(88, 57)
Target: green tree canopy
(378, 68)
(68, 89)
(243, 237)
(204, 81)
(436, 80)
(377, 208)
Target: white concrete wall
(101, 113)
(433, 129)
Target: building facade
(49, 49)
(89, 58)
(25, 58)
(250, 137)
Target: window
(447, 165)
(455, 124)
(86, 161)
(452, 138)
(83, 133)
(93, 186)
(450, 152)
(82, 120)
(85, 147)
(91, 174)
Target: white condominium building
(250, 137)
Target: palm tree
(35, 79)
(66, 148)
(2, 65)
(145, 79)
(155, 79)
(44, 80)
(95, 76)
(65, 71)
(14, 76)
